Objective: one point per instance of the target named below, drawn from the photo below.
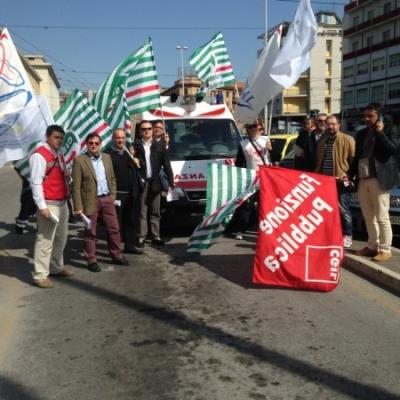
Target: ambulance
(200, 133)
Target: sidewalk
(385, 274)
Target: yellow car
(282, 146)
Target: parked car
(282, 145)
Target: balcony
(372, 22)
(355, 4)
(295, 92)
(370, 49)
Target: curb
(374, 272)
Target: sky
(82, 57)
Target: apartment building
(371, 58)
(318, 88)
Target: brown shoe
(382, 256)
(44, 284)
(65, 273)
(366, 252)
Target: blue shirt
(102, 186)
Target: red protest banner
(300, 243)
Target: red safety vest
(54, 186)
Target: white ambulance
(199, 133)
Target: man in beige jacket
(335, 153)
(93, 192)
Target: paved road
(169, 327)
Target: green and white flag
(227, 188)
(138, 76)
(78, 118)
(212, 64)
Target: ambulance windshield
(202, 139)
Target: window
(377, 94)
(329, 48)
(362, 95)
(356, 21)
(348, 71)
(378, 64)
(387, 7)
(386, 36)
(370, 14)
(394, 60)
(348, 98)
(394, 90)
(362, 68)
(355, 46)
(370, 41)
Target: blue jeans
(344, 207)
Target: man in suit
(152, 156)
(129, 186)
(93, 192)
(376, 172)
(159, 133)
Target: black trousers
(243, 216)
(28, 206)
(128, 218)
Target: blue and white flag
(294, 56)
(16, 95)
(260, 88)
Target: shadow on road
(303, 369)
(12, 390)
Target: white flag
(21, 130)
(294, 57)
(15, 89)
(261, 88)
(16, 94)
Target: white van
(199, 134)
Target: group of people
(367, 165)
(120, 186)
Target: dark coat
(386, 151)
(134, 174)
(308, 143)
(159, 160)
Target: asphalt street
(174, 327)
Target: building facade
(48, 85)
(371, 58)
(318, 88)
(192, 86)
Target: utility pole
(182, 48)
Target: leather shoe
(366, 252)
(94, 267)
(140, 244)
(158, 242)
(120, 261)
(133, 250)
(44, 284)
(64, 273)
(382, 256)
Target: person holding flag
(50, 193)
(253, 151)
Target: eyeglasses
(94, 143)
(146, 129)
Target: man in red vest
(50, 193)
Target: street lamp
(182, 48)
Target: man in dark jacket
(306, 146)
(128, 190)
(152, 156)
(376, 171)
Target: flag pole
(265, 46)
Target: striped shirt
(327, 163)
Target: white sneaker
(238, 236)
(347, 241)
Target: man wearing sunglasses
(152, 155)
(50, 193)
(94, 191)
